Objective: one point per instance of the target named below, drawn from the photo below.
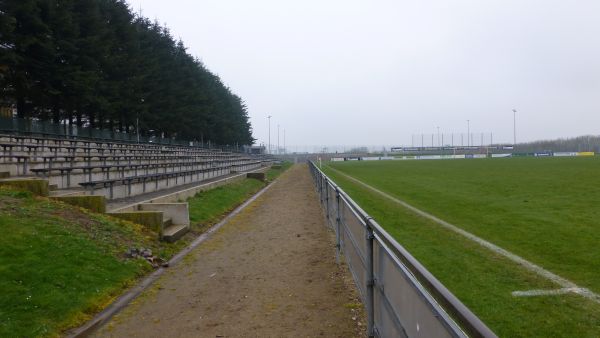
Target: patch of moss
(38, 187)
(150, 219)
(92, 203)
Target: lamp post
(137, 122)
(269, 117)
(514, 128)
(468, 133)
(438, 129)
(278, 149)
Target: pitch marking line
(562, 282)
(533, 293)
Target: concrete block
(93, 203)
(257, 176)
(178, 212)
(36, 186)
(175, 232)
(150, 219)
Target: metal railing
(401, 297)
(20, 126)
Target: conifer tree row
(95, 63)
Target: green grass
(274, 173)
(59, 264)
(208, 207)
(542, 209)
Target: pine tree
(94, 62)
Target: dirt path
(269, 272)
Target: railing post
(338, 220)
(320, 189)
(319, 185)
(327, 200)
(370, 299)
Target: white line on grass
(562, 282)
(533, 293)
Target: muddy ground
(269, 272)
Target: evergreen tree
(93, 62)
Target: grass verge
(208, 207)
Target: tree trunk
(21, 107)
(79, 119)
(55, 114)
(92, 118)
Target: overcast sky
(378, 72)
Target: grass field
(542, 209)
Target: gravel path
(269, 272)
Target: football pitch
(517, 240)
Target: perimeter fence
(401, 297)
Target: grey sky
(376, 72)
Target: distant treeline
(95, 63)
(580, 143)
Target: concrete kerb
(121, 302)
(178, 212)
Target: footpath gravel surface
(269, 272)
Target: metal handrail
(460, 315)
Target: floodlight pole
(137, 119)
(438, 130)
(269, 117)
(514, 128)
(284, 148)
(468, 133)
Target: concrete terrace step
(167, 222)
(174, 232)
(67, 192)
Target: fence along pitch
(387, 312)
